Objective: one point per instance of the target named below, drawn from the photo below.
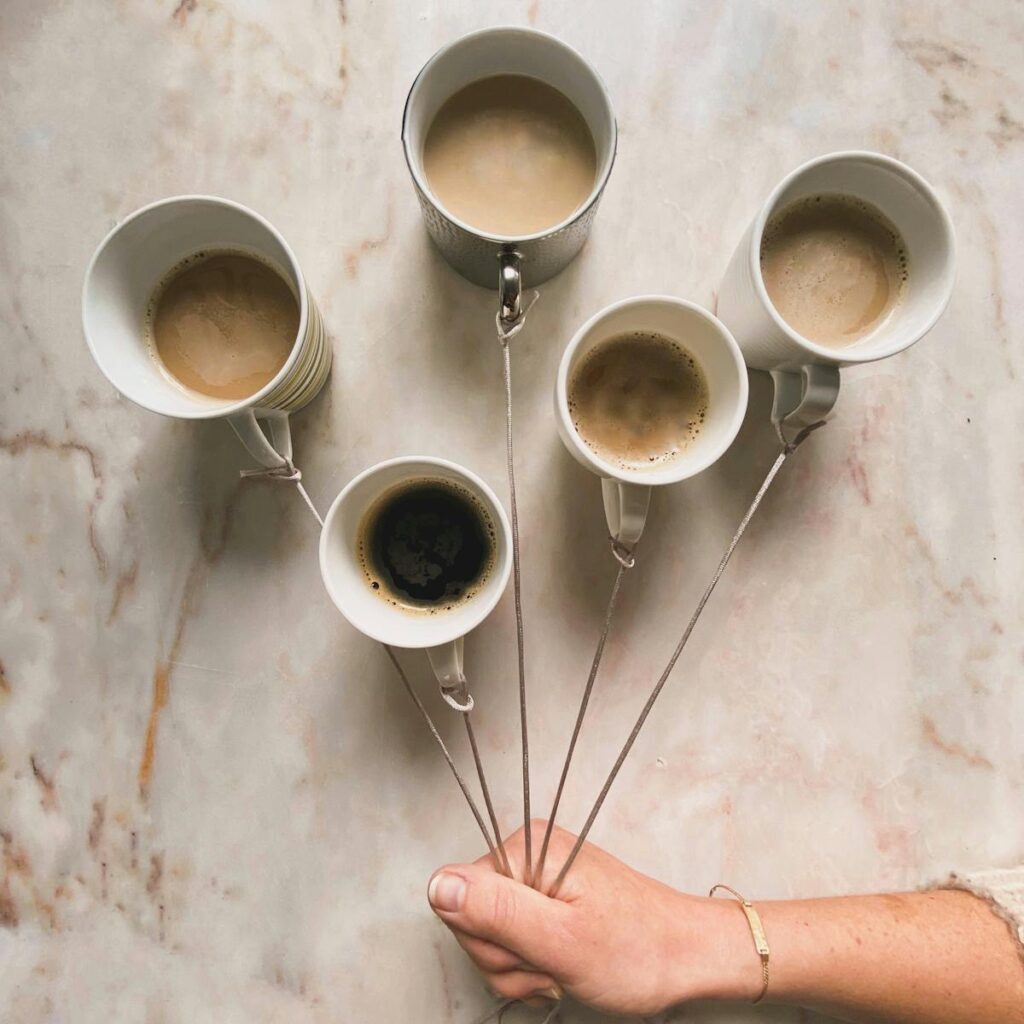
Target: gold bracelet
(757, 930)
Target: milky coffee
(638, 400)
(510, 155)
(223, 323)
(834, 268)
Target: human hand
(612, 937)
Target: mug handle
(625, 508)
(446, 661)
(805, 397)
(272, 453)
(510, 286)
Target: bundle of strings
(507, 330)
(626, 561)
(625, 557)
(289, 473)
(789, 446)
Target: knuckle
(491, 959)
(563, 841)
(503, 986)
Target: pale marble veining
(215, 801)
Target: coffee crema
(638, 400)
(427, 545)
(223, 323)
(510, 155)
(834, 268)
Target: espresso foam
(427, 545)
(638, 400)
(834, 267)
(510, 155)
(222, 323)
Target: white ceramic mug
(508, 260)
(440, 632)
(806, 374)
(627, 493)
(119, 284)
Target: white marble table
(215, 802)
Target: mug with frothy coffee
(850, 259)
(416, 552)
(650, 391)
(510, 137)
(195, 307)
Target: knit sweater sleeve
(1002, 889)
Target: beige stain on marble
(354, 254)
(201, 26)
(124, 586)
(991, 238)
(48, 799)
(932, 736)
(18, 875)
(34, 440)
(208, 556)
(1008, 129)
(966, 590)
(183, 10)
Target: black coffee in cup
(427, 545)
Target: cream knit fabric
(1002, 889)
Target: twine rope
(624, 556)
(788, 448)
(289, 473)
(499, 861)
(504, 866)
(506, 332)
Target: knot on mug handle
(508, 329)
(289, 472)
(623, 555)
(458, 697)
(790, 446)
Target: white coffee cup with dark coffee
(416, 552)
(850, 259)
(650, 391)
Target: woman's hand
(613, 938)
(627, 944)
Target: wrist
(712, 953)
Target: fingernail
(446, 892)
(554, 993)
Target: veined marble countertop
(216, 803)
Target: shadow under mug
(442, 631)
(627, 493)
(128, 266)
(805, 373)
(514, 261)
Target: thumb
(476, 900)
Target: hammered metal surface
(475, 257)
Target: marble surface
(216, 804)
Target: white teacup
(119, 283)
(806, 374)
(627, 493)
(442, 631)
